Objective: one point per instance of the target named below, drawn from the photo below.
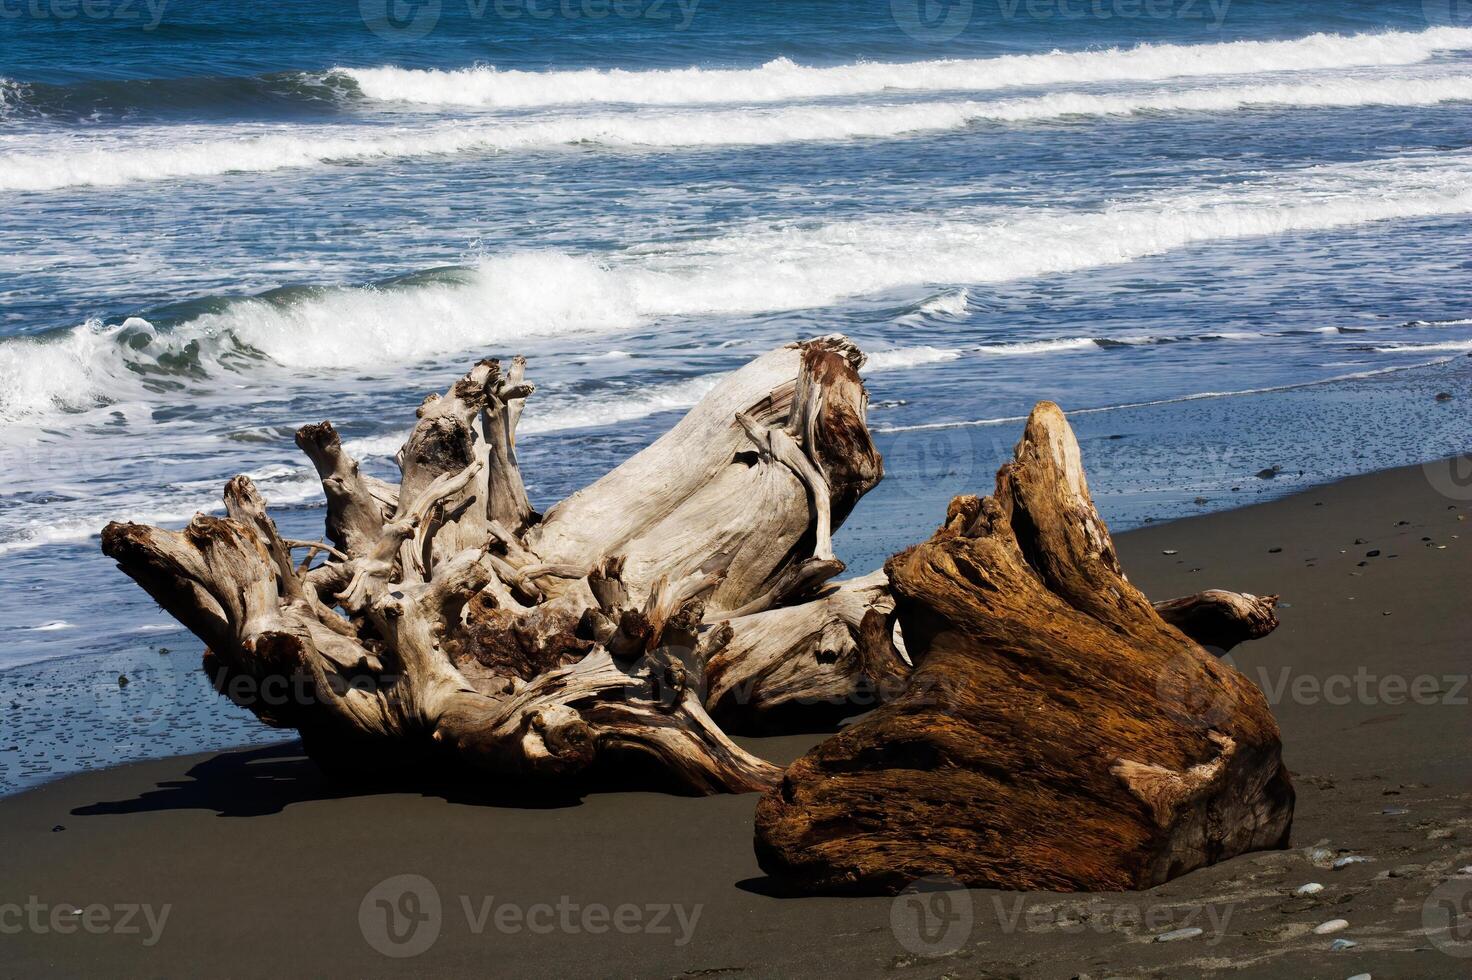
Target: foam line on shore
(1154, 403)
(150, 155)
(783, 80)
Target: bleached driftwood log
(1056, 733)
(451, 626)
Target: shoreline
(1381, 775)
(169, 698)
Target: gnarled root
(1056, 732)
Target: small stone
(1441, 833)
(1359, 540)
(1312, 888)
(1188, 933)
(1332, 926)
(1199, 501)
(1339, 945)
(57, 829)
(1373, 553)
(1361, 976)
(1443, 396)
(1395, 811)
(122, 680)
(1320, 854)
(1169, 551)
(1347, 860)
(1274, 551)
(1465, 871)
(1269, 473)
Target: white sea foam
(905, 357)
(782, 80)
(750, 270)
(1412, 348)
(183, 152)
(1025, 347)
(950, 305)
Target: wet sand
(249, 865)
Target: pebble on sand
(1361, 976)
(1349, 859)
(1339, 945)
(1332, 926)
(1312, 888)
(1191, 932)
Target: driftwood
(445, 625)
(1057, 733)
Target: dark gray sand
(245, 864)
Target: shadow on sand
(259, 781)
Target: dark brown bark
(1056, 732)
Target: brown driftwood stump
(448, 627)
(1057, 733)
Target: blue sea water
(1225, 234)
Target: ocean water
(1225, 234)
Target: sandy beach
(246, 863)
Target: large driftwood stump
(448, 626)
(1057, 733)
